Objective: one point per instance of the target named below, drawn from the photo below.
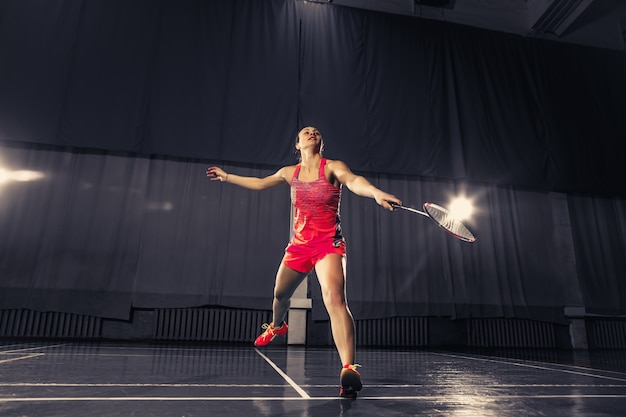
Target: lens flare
(461, 208)
(19, 175)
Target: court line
(528, 365)
(394, 386)
(138, 385)
(6, 352)
(34, 355)
(286, 377)
(362, 398)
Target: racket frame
(426, 214)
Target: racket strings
(442, 217)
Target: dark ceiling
(597, 23)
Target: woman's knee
(282, 295)
(334, 298)
(287, 280)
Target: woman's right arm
(252, 183)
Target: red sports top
(316, 209)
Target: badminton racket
(442, 217)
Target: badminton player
(317, 242)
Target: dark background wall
(113, 110)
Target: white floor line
(286, 377)
(19, 358)
(6, 352)
(137, 385)
(528, 365)
(246, 386)
(437, 398)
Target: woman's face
(309, 136)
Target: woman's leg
(331, 275)
(287, 280)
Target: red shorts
(302, 258)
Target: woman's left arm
(359, 185)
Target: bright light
(461, 208)
(26, 175)
(20, 175)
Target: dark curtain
(70, 237)
(205, 242)
(599, 230)
(233, 80)
(119, 106)
(99, 233)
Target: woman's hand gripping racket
(442, 217)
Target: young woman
(317, 242)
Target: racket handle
(411, 209)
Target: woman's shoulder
(332, 163)
(287, 172)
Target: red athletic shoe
(270, 333)
(350, 380)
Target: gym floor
(157, 379)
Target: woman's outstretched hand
(387, 200)
(216, 174)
